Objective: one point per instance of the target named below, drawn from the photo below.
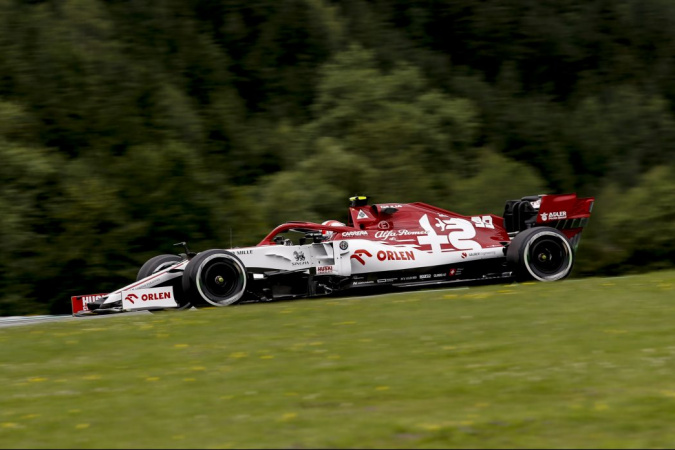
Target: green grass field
(575, 364)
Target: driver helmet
(331, 223)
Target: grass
(574, 364)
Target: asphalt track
(6, 322)
(14, 321)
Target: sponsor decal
(557, 215)
(396, 255)
(358, 256)
(390, 206)
(133, 298)
(469, 254)
(409, 278)
(79, 302)
(344, 245)
(392, 235)
(361, 215)
(91, 298)
(483, 222)
(383, 225)
(299, 256)
(438, 275)
(386, 280)
(386, 235)
(358, 283)
(154, 297)
(382, 255)
(243, 252)
(354, 233)
(460, 236)
(425, 276)
(299, 259)
(411, 233)
(455, 271)
(324, 269)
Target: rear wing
(566, 212)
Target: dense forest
(129, 125)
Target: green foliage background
(127, 126)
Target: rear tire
(542, 254)
(215, 278)
(160, 262)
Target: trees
(28, 184)
(633, 228)
(125, 125)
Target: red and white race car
(393, 245)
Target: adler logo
(559, 215)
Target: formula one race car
(393, 245)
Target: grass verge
(575, 364)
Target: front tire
(161, 262)
(215, 278)
(542, 254)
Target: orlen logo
(149, 297)
(358, 256)
(382, 255)
(324, 269)
(395, 256)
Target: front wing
(133, 300)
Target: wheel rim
(547, 256)
(221, 280)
